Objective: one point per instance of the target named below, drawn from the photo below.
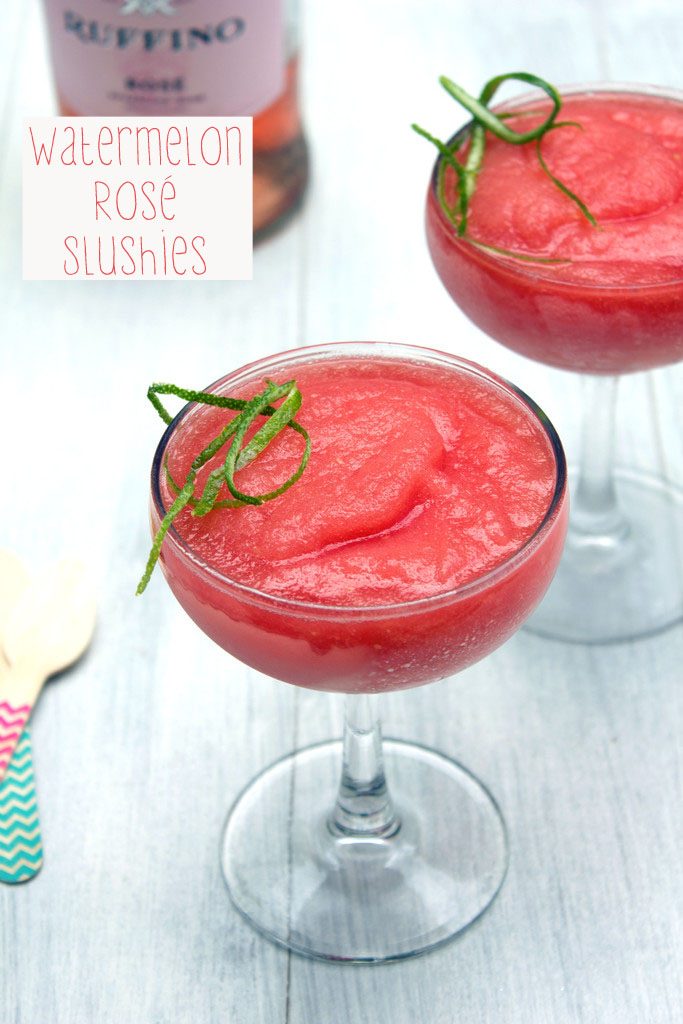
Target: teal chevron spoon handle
(21, 848)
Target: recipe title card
(137, 199)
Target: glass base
(612, 589)
(364, 899)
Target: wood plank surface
(142, 747)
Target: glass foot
(622, 587)
(370, 899)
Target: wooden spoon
(13, 580)
(47, 630)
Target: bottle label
(165, 57)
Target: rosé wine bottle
(191, 57)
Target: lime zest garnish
(483, 121)
(560, 184)
(526, 257)
(456, 213)
(484, 117)
(239, 455)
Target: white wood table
(140, 749)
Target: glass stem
(596, 517)
(363, 808)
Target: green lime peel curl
(483, 121)
(237, 456)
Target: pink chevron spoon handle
(12, 721)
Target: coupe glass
(620, 574)
(316, 853)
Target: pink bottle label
(166, 57)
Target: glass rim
(388, 351)
(529, 269)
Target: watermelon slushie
(424, 530)
(605, 299)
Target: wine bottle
(190, 57)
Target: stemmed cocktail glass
(358, 851)
(620, 576)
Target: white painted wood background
(140, 750)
